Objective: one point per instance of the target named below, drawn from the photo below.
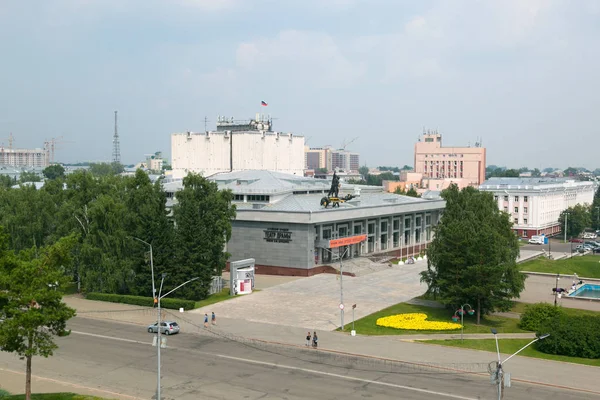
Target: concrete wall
(214, 152)
(249, 240)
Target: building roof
(534, 183)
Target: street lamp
(499, 373)
(566, 219)
(556, 290)
(158, 333)
(151, 264)
(461, 311)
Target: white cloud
(302, 55)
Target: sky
(521, 75)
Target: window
(524, 210)
(505, 198)
(525, 221)
(428, 220)
(516, 198)
(516, 220)
(396, 225)
(238, 197)
(505, 209)
(258, 197)
(418, 221)
(516, 209)
(406, 223)
(495, 198)
(525, 199)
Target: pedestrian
(213, 318)
(206, 320)
(315, 339)
(308, 339)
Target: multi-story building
(332, 160)
(237, 146)
(281, 223)
(442, 163)
(535, 204)
(24, 157)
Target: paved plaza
(314, 302)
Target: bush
(174, 304)
(536, 315)
(571, 335)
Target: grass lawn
(586, 266)
(215, 298)
(51, 396)
(509, 346)
(367, 325)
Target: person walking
(308, 339)
(213, 318)
(206, 320)
(315, 340)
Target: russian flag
(263, 103)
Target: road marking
(349, 378)
(74, 385)
(283, 366)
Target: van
(537, 239)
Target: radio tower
(116, 156)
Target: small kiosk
(241, 276)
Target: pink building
(466, 164)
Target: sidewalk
(556, 374)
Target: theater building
(282, 225)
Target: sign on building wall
(347, 241)
(278, 235)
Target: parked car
(576, 240)
(166, 327)
(592, 244)
(597, 250)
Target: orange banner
(346, 241)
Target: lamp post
(499, 373)
(566, 219)
(556, 290)
(158, 333)
(353, 308)
(151, 265)
(461, 311)
(341, 282)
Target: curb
(553, 275)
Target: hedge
(174, 304)
(571, 335)
(536, 315)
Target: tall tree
(595, 210)
(54, 172)
(28, 176)
(579, 218)
(412, 192)
(203, 216)
(34, 310)
(472, 258)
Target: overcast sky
(523, 75)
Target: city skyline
(519, 75)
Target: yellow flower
(415, 322)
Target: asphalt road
(555, 246)
(119, 359)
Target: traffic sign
(341, 306)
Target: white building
(535, 204)
(24, 157)
(237, 147)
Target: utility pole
(342, 289)
(566, 219)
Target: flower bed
(415, 322)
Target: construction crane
(50, 148)
(347, 143)
(10, 139)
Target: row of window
(445, 155)
(516, 220)
(525, 198)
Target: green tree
(412, 192)
(203, 216)
(472, 258)
(400, 190)
(106, 169)
(571, 171)
(595, 210)
(579, 218)
(536, 172)
(34, 310)
(6, 181)
(363, 171)
(29, 176)
(54, 172)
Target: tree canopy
(472, 258)
(33, 310)
(578, 219)
(54, 172)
